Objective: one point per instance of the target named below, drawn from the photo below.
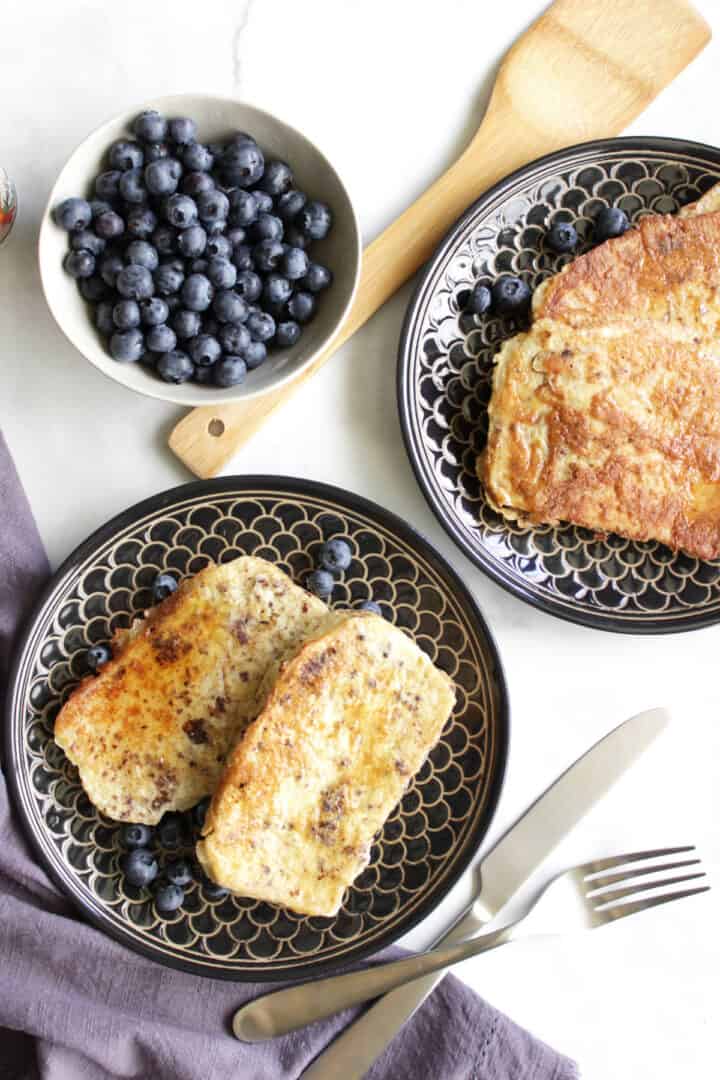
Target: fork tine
(621, 910)
(619, 860)
(596, 883)
(609, 896)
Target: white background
(391, 92)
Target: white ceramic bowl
(216, 118)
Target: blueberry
(125, 154)
(160, 339)
(229, 307)
(294, 237)
(93, 288)
(267, 255)
(321, 583)
(181, 211)
(168, 279)
(200, 812)
(261, 326)
(315, 220)
(242, 258)
(179, 872)
(171, 831)
(212, 890)
(135, 836)
(197, 158)
(255, 355)
(182, 130)
(219, 246)
(479, 300)
(289, 204)
(510, 295)
(248, 285)
(229, 371)
(109, 225)
(98, 656)
(212, 206)
(150, 126)
(239, 138)
(164, 238)
(141, 253)
(234, 236)
(609, 223)
(126, 314)
(197, 293)
(162, 587)
(186, 324)
(107, 184)
(192, 242)
(135, 283)
(168, 898)
(154, 312)
(202, 375)
(221, 272)
(127, 346)
(85, 240)
(79, 264)
(277, 290)
(175, 366)
(204, 350)
(242, 164)
(243, 207)
(110, 266)
(173, 302)
(198, 266)
(295, 264)
(287, 334)
(562, 237)
(104, 317)
(140, 867)
(98, 207)
(156, 152)
(370, 605)
(301, 306)
(161, 178)
(335, 555)
(277, 178)
(317, 278)
(263, 202)
(267, 227)
(141, 222)
(132, 186)
(194, 183)
(234, 338)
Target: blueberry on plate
(192, 242)
(321, 583)
(212, 206)
(229, 307)
(181, 211)
(200, 812)
(301, 306)
(277, 178)
(141, 253)
(107, 184)
(335, 555)
(242, 164)
(261, 325)
(510, 295)
(610, 222)
(267, 227)
(241, 258)
(132, 186)
(104, 317)
(171, 831)
(248, 285)
(317, 278)
(98, 207)
(289, 204)
(221, 272)
(162, 587)
(562, 237)
(179, 872)
(161, 178)
(314, 220)
(127, 346)
(98, 656)
(182, 130)
(230, 371)
(204, 350)
(197, 158)
(125, 154)
(255, 355)
(135, 836)
(154, 312)
(110, 266)
(109, 225)
(126, 314)
(212, 890)
(79, 264)
(175, 366)
(295, 264)
(287, 334)
(168, 898)
(234, 338)
(267, 255)
(218, 247)
(202, 375)
(168, 279)
(193, 183)
(164, 238)
(277, 289)
(370, 605)
(160, 339)
(294, 237)
(243, 207)
(186, 324)
(150, 126)
(73, 214)
(197, 293)
(479, 299)
(140, 867)
(93, 288)
(263, 202)
(156, 151)
(141, 222)
(85, 240)
(136, 282)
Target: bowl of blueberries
(199, 250)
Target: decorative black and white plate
(444, 381)
(428, 840)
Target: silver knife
(510, 862)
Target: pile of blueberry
(195, 256)
(511, 295)
(334, 559)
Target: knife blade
(503, 870)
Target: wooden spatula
(583, 70)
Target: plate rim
(605, 621)
(299, 486)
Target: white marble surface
(391, 91)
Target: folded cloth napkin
(75, 1005)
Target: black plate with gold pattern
(428, 840)
(444, 381)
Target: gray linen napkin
(75, 1005)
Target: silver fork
(583, 898)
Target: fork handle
(293, 1008)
